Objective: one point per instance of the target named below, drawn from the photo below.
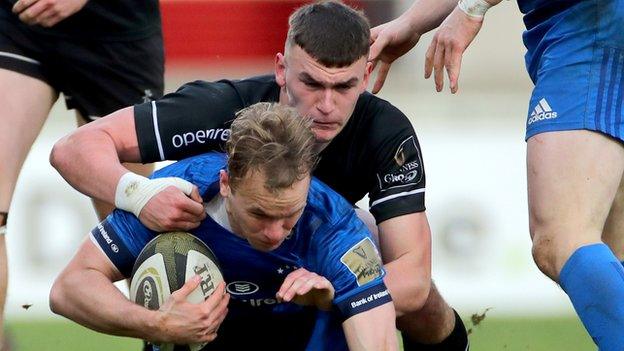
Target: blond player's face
(262, 217)
(327, 94)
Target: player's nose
(326, 103)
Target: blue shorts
(575, 58)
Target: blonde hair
(274, 139)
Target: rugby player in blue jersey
(575, 130)
(268, 223)
(367, 146)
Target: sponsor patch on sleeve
(363, 261)
(406, 170)
(112, 245)
(363, 301)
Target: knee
(544, 252)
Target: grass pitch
(492, 334)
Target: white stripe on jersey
(156, 131)
(19, 57)
(394, 196)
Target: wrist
(474, 8)
(128, 194)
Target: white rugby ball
(165, 264)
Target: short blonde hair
(274, 139)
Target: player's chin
(265, 245)
(324, 135)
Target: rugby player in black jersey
(102, 55)
(368, 147)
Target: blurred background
(474, 152)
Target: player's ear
(224, 183)
(280, 69)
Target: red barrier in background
(196, 30)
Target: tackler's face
(264, 218)
(326, 94)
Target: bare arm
(406, 251)
(372, 330)
(84, 293)
(90, 160)
(90, 157)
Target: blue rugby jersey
(328, 239)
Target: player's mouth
(325, 125)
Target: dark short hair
(333, 33)
(274, 139)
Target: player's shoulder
(375, 109)
(326, 204)
(248, 90)
(203, 168)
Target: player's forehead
(256, 197)
(307, 67)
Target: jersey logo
(363, 261)
(242, 288)
(407, 170)
(541, 112)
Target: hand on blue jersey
(182, 322)
(46, 13)
(171, 210)
(389, 42)
(448, 45)
(308, 289)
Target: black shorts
(96, 77)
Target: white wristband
(134, 191)
(474, 8)
(3, 230)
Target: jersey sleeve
(346, 255)
(121, 237)
(399, 183)
(193, 120)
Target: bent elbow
(59, 158)
(57, 296)
(414, 300)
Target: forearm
(89, 163)
(89, 158)
(372, 330)
(425, 15)
(408, 279)
(91, 300)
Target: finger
(195, 195)
(215, 299)
(194, 205)
(188, 287)
(377, 47)
(32, 15)
(51, 19)
(21, 5)
(308, 285)
(453, 70)
(182, 184)
(438, 67)
(429, 57)
(301, 282)
(289, 280)
(384, 68)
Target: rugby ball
(165, 264)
